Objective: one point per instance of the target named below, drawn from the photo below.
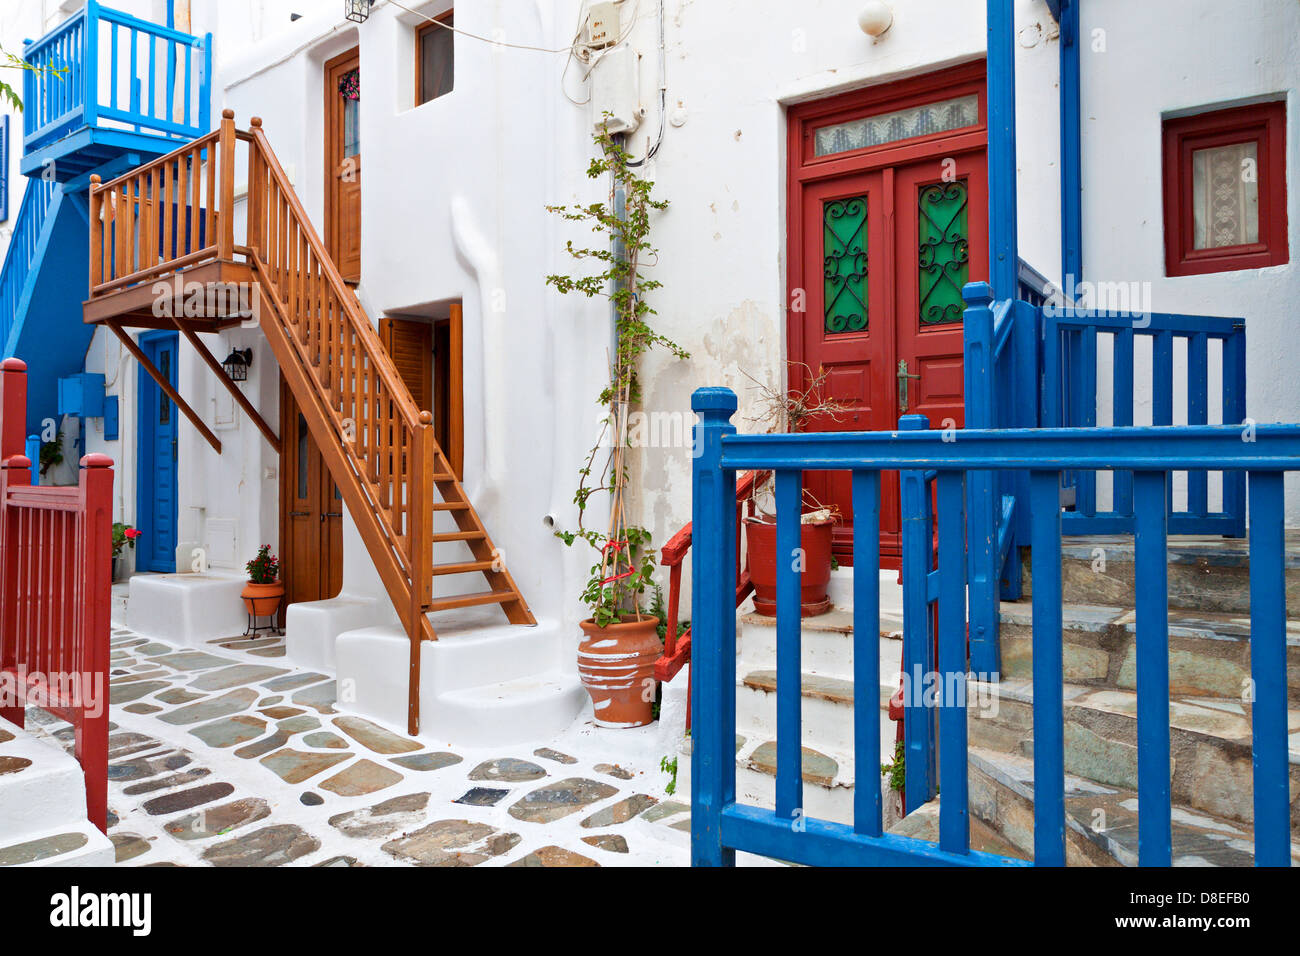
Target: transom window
(1225, 190)
(941, 117)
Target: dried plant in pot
(264, 590)
(790, 410)
(620, 642)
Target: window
(435, 57)
(1225, 190)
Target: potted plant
(789, 410)
(263, 591)
(123, 537)
(620, 640)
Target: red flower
(132, 533)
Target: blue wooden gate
(156, 493)
(720, 825)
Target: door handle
(299, 514)
(903, 376)
(330, 514)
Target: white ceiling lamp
(875, 18)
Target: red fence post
(13, 408)
(96, 583)
(14, 472)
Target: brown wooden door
(311, 512)
(343, 163)
(428, 358)
(882, 238)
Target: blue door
(155, 550)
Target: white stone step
(481, 683)
(42, 787)
(78, 844)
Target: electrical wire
(663, 95)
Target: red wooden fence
(55, 591)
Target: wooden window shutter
(411, 346)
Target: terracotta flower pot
(617, 664)
(262, 600)
(815, 540)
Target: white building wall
(453, 209)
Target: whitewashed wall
(453, 197)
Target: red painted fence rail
(55, 591)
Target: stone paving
(231, 756)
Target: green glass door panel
(943, 254)
(845, 251)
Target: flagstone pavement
(231, 756)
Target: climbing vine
(622, 572)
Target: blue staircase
(128, 92)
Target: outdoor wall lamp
(875, 18)
(237, 363)
(357, 10)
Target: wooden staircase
(379, 447)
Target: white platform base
(312, 628)
(45, 799)
(481, 684)
(187, 609)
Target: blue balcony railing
(23, 253)
(117, 72)
(721, 823)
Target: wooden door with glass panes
(343, 163)
(888, 220)
(311, 512)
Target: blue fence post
(1272, 790)
(789, 678)
(918, 643)
(713, 629)
(90, 68)
(1151, 585)
(954, 819)
(1004, 257)
(1048, 673)
(982, 504)
(1234, 413)
(34, 456)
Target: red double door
(882, 239)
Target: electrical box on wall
(614, 90)
(603, 25)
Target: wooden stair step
(444, 477)
(451, 506)
(463, 568)
(472, 600)
(445, 536)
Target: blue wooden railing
(23, 252)
(119, 72)
(1071, 397)
(720, 825)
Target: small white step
(78, 844)
(537, 707)
(42, 787)
(826, 643)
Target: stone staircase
(43, 806)
(1210, 722)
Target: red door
(883, 237)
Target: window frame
(421, 31)
(1265, 125)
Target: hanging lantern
(357, 10)
(237, 363)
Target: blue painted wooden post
(1268, 670)
(713, 629)
(205, 86)
(1071, 145)
(90, 68)
(983, 506)
(789, 692)
(1234, 413)
(1151, 584)
(1198, 412)
(1049, 690)
(866, 646)
(34, 456)
(1004, 258)
(918, 644)
(1122, 415)
(954, 822)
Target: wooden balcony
(128, 90)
